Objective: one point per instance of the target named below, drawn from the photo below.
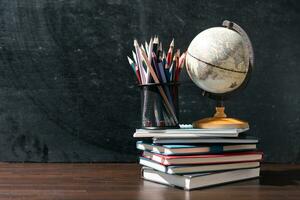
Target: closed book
(181, 149)
(204, 159)
(188, 169)
(194, 181)
(187, 133)
(210, 140)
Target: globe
(217, 60)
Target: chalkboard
(67, 93)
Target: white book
(193, 181)
(187, 133)
(188, 169)
(245, 140)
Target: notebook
(193, 181)
(239, 140)
(180, 149)
(187, 133)
(204, 159)
(188, 169)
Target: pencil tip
(174, 57)
(155, 40)
(129, 60)
(135, 42)
(151, 41)
(172, 43)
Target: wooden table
(122, 181)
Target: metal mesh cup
(159, 105)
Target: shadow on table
(280, 178)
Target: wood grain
(122, 181)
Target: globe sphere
(217, 60)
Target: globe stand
(220, 120)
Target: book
(193, 181)
(240, 140)
(188, 169)
(180, 149)
(204, 159)
(187, 133)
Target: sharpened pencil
(150, 49)
(155, 45)
(139, 62)
(170, 53)
(134, 57)
(131, 63)
(135, 69)
(146, 47)
(159, 52)
(177, 71)
(181, 60)
(164, 59)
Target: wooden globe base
(220, 120)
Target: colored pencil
(134, 57)
(155, 45)
(139, 61)
(150, 48)
(135, 69)
(177, 70)
(169, 54)
(159, 52)
(180, 65)
(146, 47)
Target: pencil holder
(159, 103)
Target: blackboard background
(67, 93)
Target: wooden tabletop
(122, 181)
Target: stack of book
(196, 158)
